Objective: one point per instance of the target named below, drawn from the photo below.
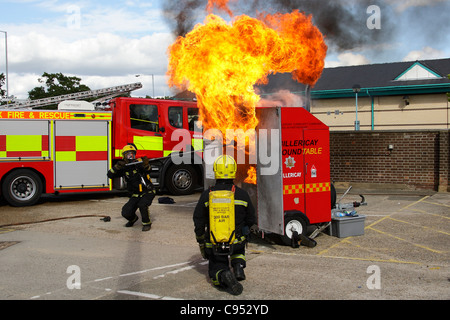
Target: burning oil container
(292, 189)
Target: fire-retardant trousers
(141, 202)
(219, 263)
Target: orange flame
(222, 62)
(220, 4)
(251, 175)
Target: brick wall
(418, 160)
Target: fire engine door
(81, 154)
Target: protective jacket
(244, 210)
(136, 174)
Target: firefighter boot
(146, 227)
(131, 222)
(239, 272)
(228, 280)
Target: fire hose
(104, 218)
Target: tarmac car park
(403, 253)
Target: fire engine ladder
(109, 92)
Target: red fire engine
(71, 149)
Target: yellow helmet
(225, 167)
(128, 148)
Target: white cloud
(427, 53)
(104, 54)
(347, 59)
(102, 43)
(20, 84)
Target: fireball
(221, 62)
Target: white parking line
(146, 295)
(179, 270)
(147, 270)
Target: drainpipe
(372, 110)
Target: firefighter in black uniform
(245, 218)
(137, 176)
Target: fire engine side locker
(82, 154)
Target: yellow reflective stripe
(45, 154)
(293, 189)
(91, 143)
(167, 153)
(50, 142)
(236, 202)
(109, 150)
(142, 120)
(2, 154)
(197, 144)
(149, 143)
(241, 203)
(23, 143)
(317, 187)
(66, 156)
(238, 256)
(215, 280)
(87, 116)
(309, 188)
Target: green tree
(56, 84)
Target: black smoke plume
(343, 22)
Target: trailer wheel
(293, 222)
(181, 179)
(22, 188)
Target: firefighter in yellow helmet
(137, 175)
(219, 265)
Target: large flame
(221, 62)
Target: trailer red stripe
(92, 155)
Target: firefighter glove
(119, 165)
(146, 163)
(200, 239)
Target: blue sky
(108, 43)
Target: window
(192, 119)
(144, 117)
(176, 117)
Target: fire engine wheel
(22, 188)
(181, 180)
(293, 222)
